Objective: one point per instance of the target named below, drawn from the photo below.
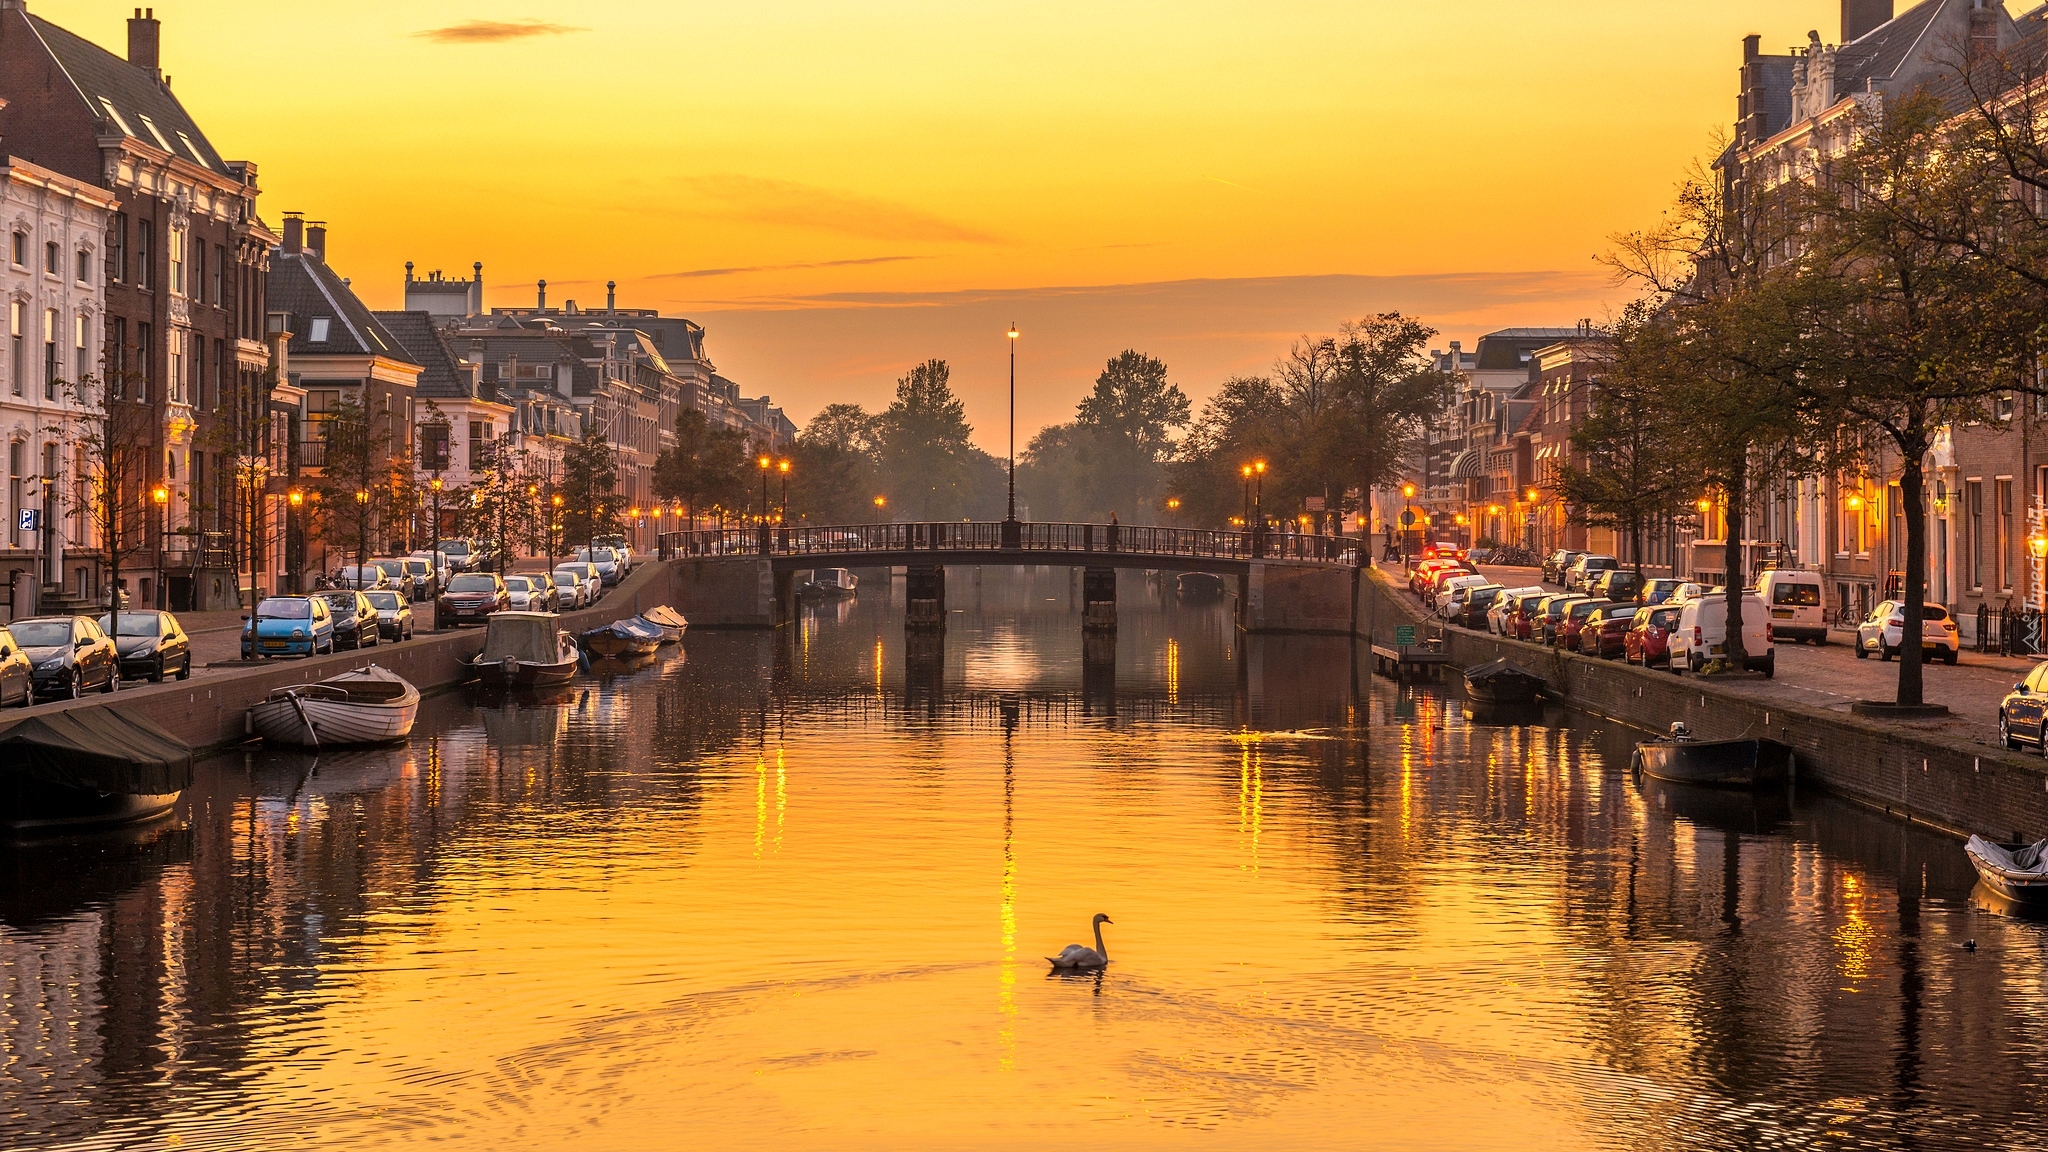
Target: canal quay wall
(1958, 788)
(207, 711)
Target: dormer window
(319, 332)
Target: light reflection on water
(792, 890)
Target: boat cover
(666, 617)
(637, 628)
(1498, 669)
(2032, 858)
(528, 637)
(104, 749)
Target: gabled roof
(127, 97)
(442, 377)
(309, 290)
(1884, 52)
(1511, 348)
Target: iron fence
(978, 536)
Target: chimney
(294, 232)
(316, 239)
(1752, 46)
(143, 35)
(1983, 30)
(408, 271)
(543, 296)
(1862, 17)
(611, 296)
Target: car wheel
(1862, 653)
(113, 682)
(2005, 731)
(1884, 653)
(185, 669)
(157, 677)
(1820, 641)
(1950, 657)
(1771, 668)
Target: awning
(1468, 465)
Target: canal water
(794, 891)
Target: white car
(593, 582)
(1885, 628)
(574, 588)
(606, 561)
(442, 568)
(1447, 592)
(530, 593)
(1586, 569)
(1505, 601)
(1702, 634)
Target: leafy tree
(923, 446)
(834, 476)
(1246, 419)
(1123, 433)
(356, 449)
(707, 465)
(1384, 392)
(113, 441)
(590, 489)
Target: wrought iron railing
(978, 536)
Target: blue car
(288, 626)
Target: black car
(2022, 712)
(1478, 602)
(150, 645)
(1558, 562)
(355, 619)
(1619, 585)
(68, 655)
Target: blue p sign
(26, 522)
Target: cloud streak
(793, 205)
(495, 31)
(696, 273)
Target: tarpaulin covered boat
(367, 706)
(634, 637)
(1723, 763)
(523, 649)
(1502, 682)
(87, 766)
(2017, 872)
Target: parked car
(1421, 571)
(1528, 621)
(1447, 590)
(361, 578)
(440, 567)
(1702, 634)
(149, 645)
(461, 557)
(1558, 563)
(1649, 635)
(1444, 549)
(1566, 634)
(1885, 629)
(470, 598)
(1794, 598)
(68, 655)
(421, 577)
(2023, 714)
(1504, 606)
(1605, 630)
(355, 618)
(1580, 576)
(17, 674)
(394, 614)
(1618, 584)
(606, 560)
(1544, 629)
(1659, 590)
(1475, 605)
(618, 544)
(593, 582)
(395, 572)
(531, 593)
(573, 589)
(1435, 581)
(288, 626)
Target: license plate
(1781, 613)
(1715, 649)
(275, 644)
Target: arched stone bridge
(1285, 582)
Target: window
(49, 354)
(50, 265)
(117, 356)
(84, 266)
(144, 234)
(18, 254)
(117, 248)
(145, 362)
(17, 318)
(1973, 510)
(17, 463)
(319, 332)
(2005, 533)
(177, 253)
(220, 369)
(220, 263)
(83, 357)
(177, 362)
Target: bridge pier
(785, 597)
(924, 598)
(1098, 600)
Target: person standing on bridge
(1114, 528)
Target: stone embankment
(1891, 766)
(206, 712)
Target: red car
(470, 598)
(1524, 624)
(1648, 641)
(1604, 632)
(1424, 571)
(1565, 632)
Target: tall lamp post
(434, 537)
(1407, 522)
(362, 530)
(161, 497)
(782, 511)
(765, 462)
(1258, 507)
(880, 502)
(295, 503)
(554, 528)
(1013, 531)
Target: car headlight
(298, 633)
(146, 649)
(55, 663)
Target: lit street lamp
(161, 497)
(879, 502)
(1013, 532)
(295, 508)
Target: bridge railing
(849, 540)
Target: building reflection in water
(1448, 905)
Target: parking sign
(26, 521)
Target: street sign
(1315, 504)
(26, 520)
(1407, 518)
(1404, 635)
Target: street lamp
(1013, 532)
(1246, 472)
(554, 528)
(879, 502)
(782, 512)
(1407, 521)
(362, 528)
(762, 538)
(295, 507)
(161, 497)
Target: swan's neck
(1100, 949)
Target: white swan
(1080, 957)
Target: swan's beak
(1107, 920)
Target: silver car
(574, 587)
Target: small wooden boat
(524, 649)
(831, 583)
(2018, 872)
(1199, 587)
(634, 637)
(1722, 763)
(1502, 682)
(88, 767)
(671, 622)
(366, 706)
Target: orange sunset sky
(839, 190)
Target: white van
(1794, 600)
(1702, 634)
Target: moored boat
(88, 767)
(634, 637)
(831, 583)
(671, 622)
(1502, 682)
(1199, 587)
(524, 649)
(366, 706)
(2018, 872)
(1722, 763)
